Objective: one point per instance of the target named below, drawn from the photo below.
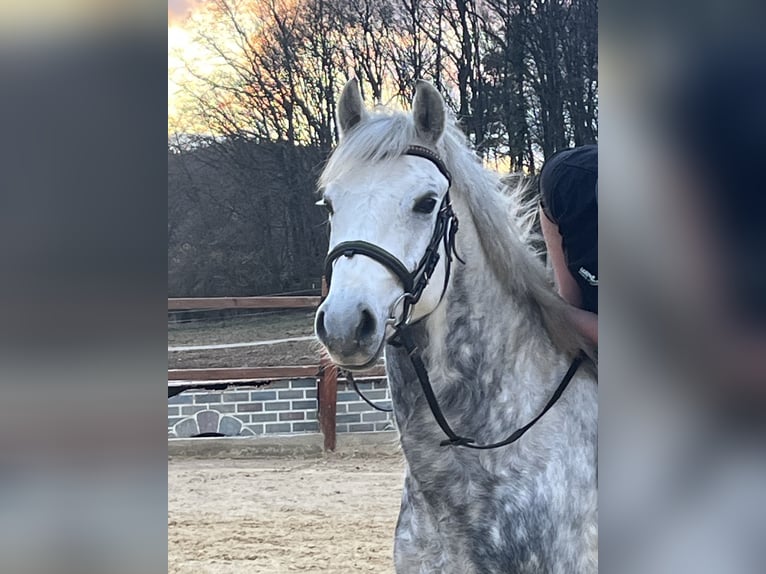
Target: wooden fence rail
(182, 304)
(259, 374)
(325, 372)
(244, 373)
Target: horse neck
(479, 317)
(481, 347)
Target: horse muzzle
(353, 334)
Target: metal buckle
(392, 312)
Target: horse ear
(428, 111)
(350, 106)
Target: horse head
(387, 202)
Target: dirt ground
(331, 515)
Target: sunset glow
(184, 53)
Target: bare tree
(520, 76)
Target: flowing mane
(502, 220)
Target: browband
(432, 156)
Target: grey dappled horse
(491, 334)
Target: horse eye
(326, 204)
(425, 205)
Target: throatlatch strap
(455, 439)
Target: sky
(179, 47)
(186, 18)
(178, 10)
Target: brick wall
(286, 407)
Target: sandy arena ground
(331, 514)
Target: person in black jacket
(569, 220)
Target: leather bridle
(414, 283)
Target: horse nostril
(366, 327)
(319, 326)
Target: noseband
(414, 283)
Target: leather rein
(414, 283)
